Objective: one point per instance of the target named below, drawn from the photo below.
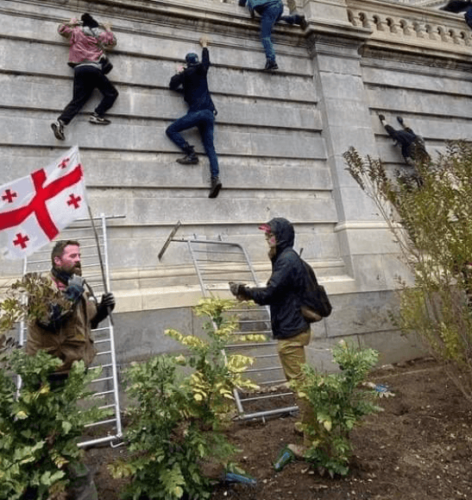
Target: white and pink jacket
(86, 44)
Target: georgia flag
(35, 208)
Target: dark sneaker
(191, 159)
(303, 23)
(215, 187)
(271, 66)
(382, 118)
(400, 120)
(58, 129)
(98, 120)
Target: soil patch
(419, 447)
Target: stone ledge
(151, 299)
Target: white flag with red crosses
(34, 209)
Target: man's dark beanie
(89, 21)
(191, 58)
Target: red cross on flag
(35, 208)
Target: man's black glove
(239, 291)
(75, 287)
(107, 302)
(106, 306)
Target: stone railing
(286, 2)
(399, 23)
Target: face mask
(271, 241)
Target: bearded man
(66, 332)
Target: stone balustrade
(407, 25)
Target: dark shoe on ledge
(215, 187)
(58, 129)
(303, 23)
(270, 66)
(190, 159)
(98, 120)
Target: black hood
(284, 233)
(456, 6)
(89, 21)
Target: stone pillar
(364, 239)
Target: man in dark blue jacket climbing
(283, 294)
(271, 13)
(201, 113)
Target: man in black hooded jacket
(412, 145)
(201, 113)
(283, 294)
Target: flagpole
(102, 267)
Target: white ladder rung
(100, 394)
(103, 379)
(269, 369)
(101, 422)
(269, 396)
(273, 382)
(104, 407)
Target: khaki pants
(292, 356)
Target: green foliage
(338, 402)
(429, 214)
(39, 429)
(176, 424)
(41, 294)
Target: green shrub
(430, 221)
(177, 421)
(339, 402)
(41, 294)
(40, 428)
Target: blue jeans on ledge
(270, 16)
(205, 122)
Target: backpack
(315, 302)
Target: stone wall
(280, 139)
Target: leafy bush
(429, 214)
(41, 294)
(339, 402)
(39, 429)
(177, 421)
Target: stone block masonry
(279, 137)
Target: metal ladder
(106, 386)
(216, 263)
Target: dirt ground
(419, 447)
